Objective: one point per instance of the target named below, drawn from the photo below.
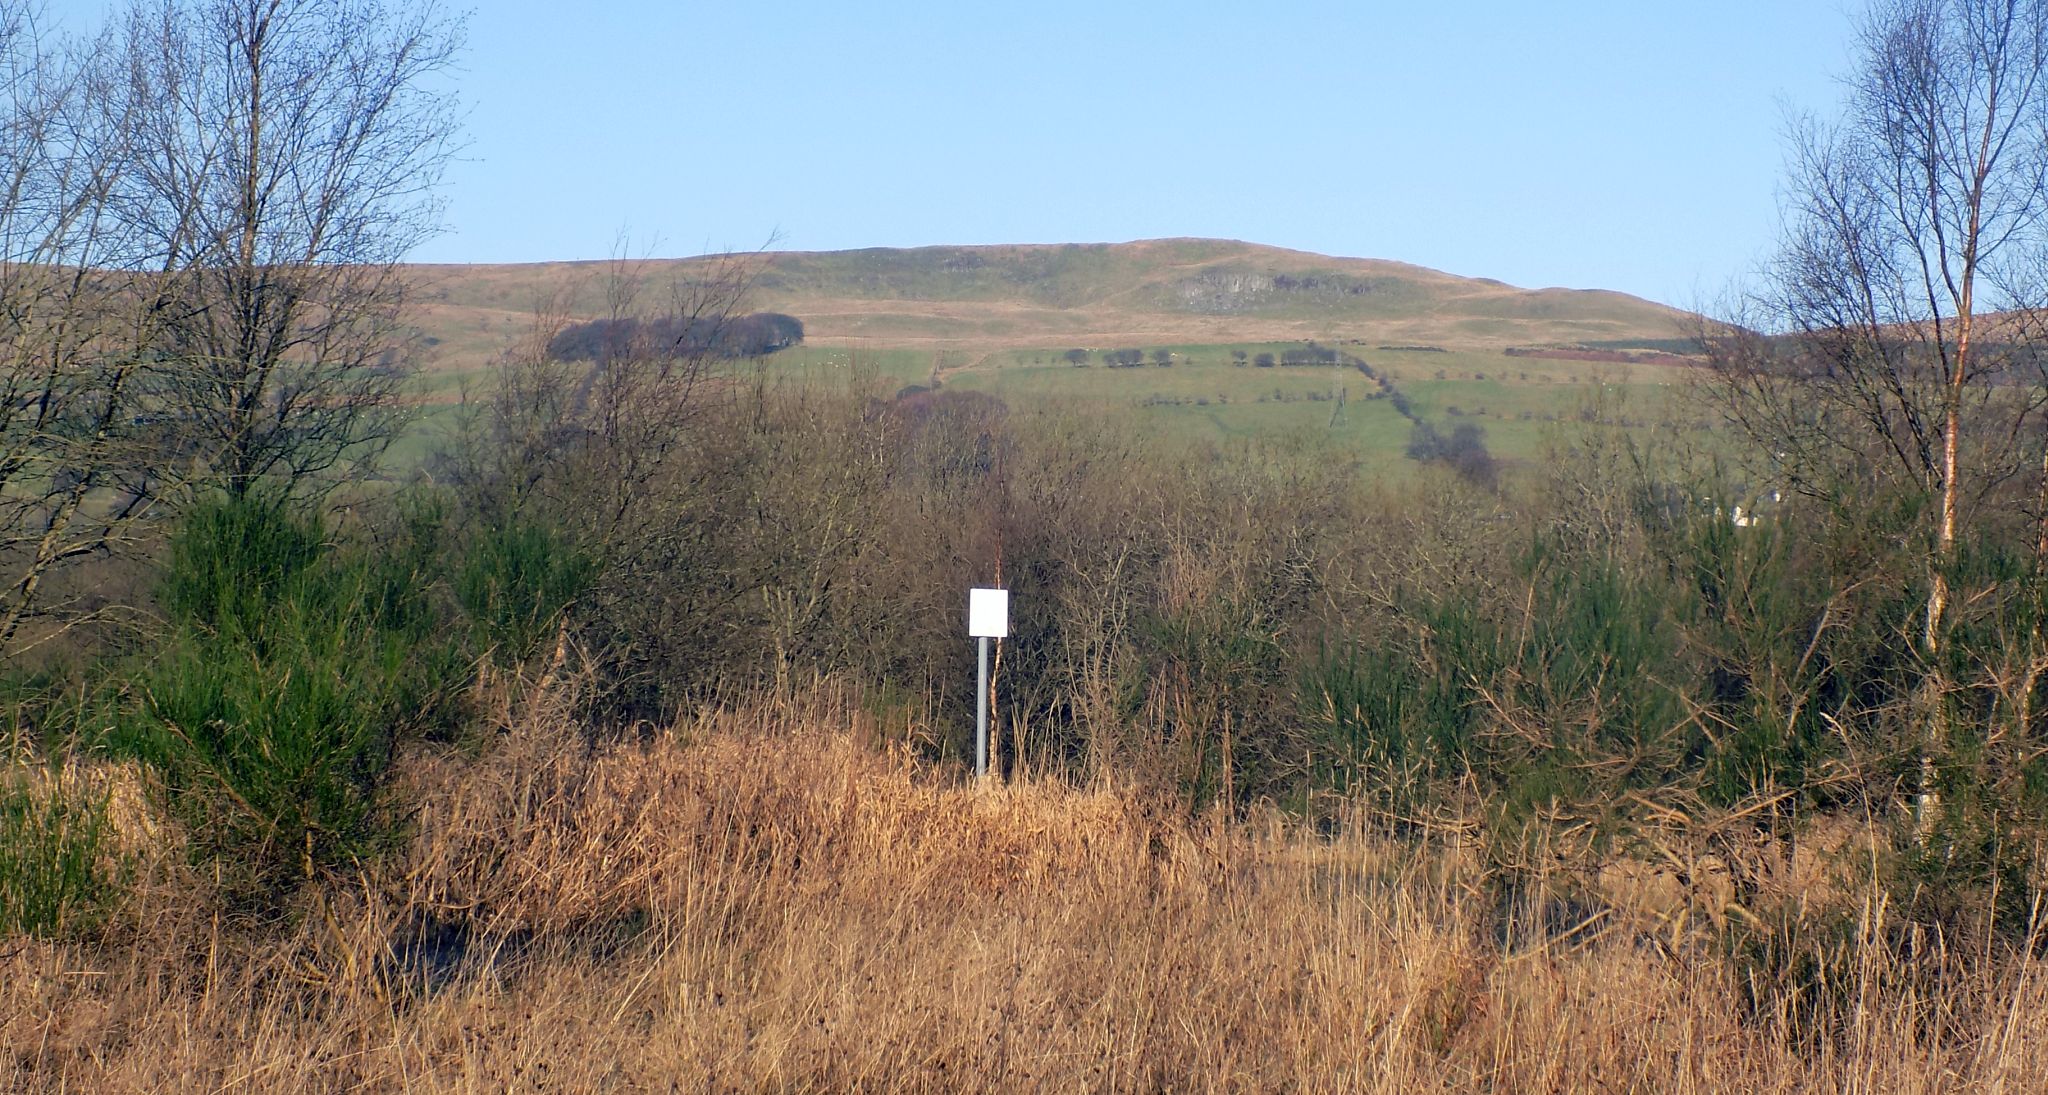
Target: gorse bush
(1554, 708)
(230, 562)
(1396, 727)
(514, 582)
(272, 712)
(1215, 670)
(294, 667)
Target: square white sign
(988, 613)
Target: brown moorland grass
(763, 897)
(984, 299)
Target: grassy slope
(999, 318)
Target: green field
(1204, 395)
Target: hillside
(1059, 295)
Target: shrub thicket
(1608, 649)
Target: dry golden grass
(763, 898)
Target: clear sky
(1624, 145)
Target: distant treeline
(1122, 359)
(754, 335)
(1311, 354)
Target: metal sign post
(988, 617)
(981, 709)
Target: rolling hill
(989, 298)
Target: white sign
(988, 613)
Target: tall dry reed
(762, 897)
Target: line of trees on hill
(1129, 358)
(756, 334)
(1311, 354)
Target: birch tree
(1897, 345)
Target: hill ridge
(1167, 291)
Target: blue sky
(1633, 146)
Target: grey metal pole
(981, 713)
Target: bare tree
(618, 447)
(201, 213)
(82, 463)
(1902, 325)
(591, 440)
(641, 394)
(285, 159)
